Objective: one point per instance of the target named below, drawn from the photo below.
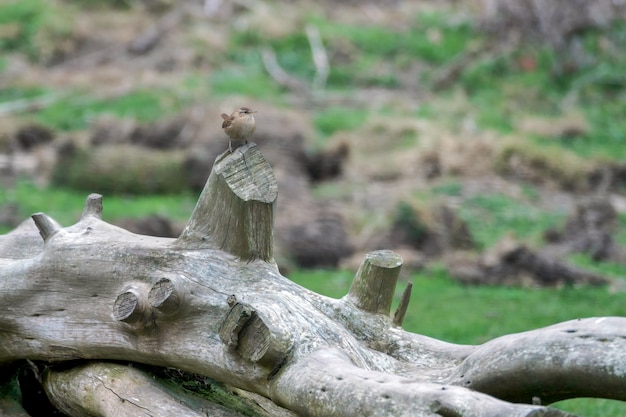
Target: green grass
(249, 81)
(491, 216)
(26, 16)
(607, 137)
(446, 310)
(621, 235)
(78, 110)
(592, 407)
(9, 94)
(609, 269)
(65, 205)
(35, 28)
(334, 119)
(449, 188)
(432, 38)
(75, 110)
(360, 55)
(500, 90)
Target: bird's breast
(241, 129)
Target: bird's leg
(230, 146)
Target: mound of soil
(589, 229)
(513, 263)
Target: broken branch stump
(236, 207)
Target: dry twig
(278, 73)
(320, 58)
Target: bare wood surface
(567, 355)
(235, 210)
(400, 313)
(326, 384)
(114, 390)
(212, 302)
(375, 281)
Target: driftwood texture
(213, 302)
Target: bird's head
(244, 111)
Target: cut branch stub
(46, 225)
(244, 332)
(233, 324)
(375, 282)
(165, 297)
(236, 208)
(93, 206)
(129, 306)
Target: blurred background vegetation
(439, 129)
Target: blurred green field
(493, 94)
(66, 205)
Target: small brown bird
(239, 126)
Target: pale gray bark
(106, 389)
(115, 390)
(213, 302)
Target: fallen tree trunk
(113, 389)
(116, 390)
(213, 302)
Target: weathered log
(212, 302)
(107, 389)
(326, 385)
(567, 355)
